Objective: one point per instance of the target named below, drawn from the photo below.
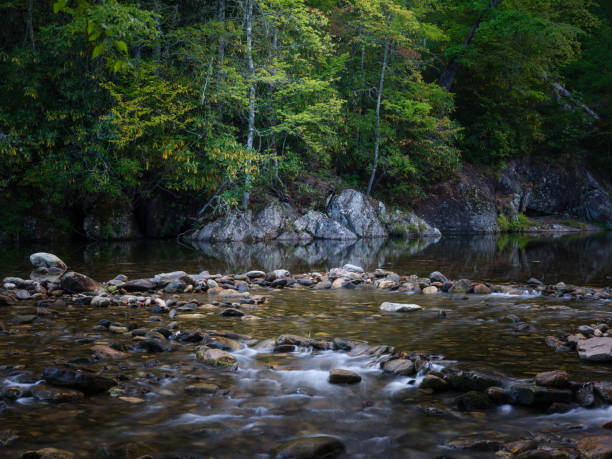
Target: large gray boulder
(405, 224)
(274, 218)
(234, 226)
(357, 212)
(319, 226)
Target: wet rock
(255, 274)
(472, 401)
(231, 312)
(216, 358)
(481, 289)
(48, 393)
(202, 388)
(604, 391)
(294, 340)
(7, 437)
(557, 344)
(353, 268)
(465, 381)
(323, 285)
(139, 285)
(355, 211)
(529, 395)
(339, 376)
(24, 319)
(47, 453)
(6, 300)
(595, 349)
(402, 367)
(223, 343)
(430, 290)
(317, 447)
(498, 395)
(386, 284)
(76, 282)
(461, 286)
(108, 352)
(599, 447)
(555, 378)
(521, 446)
(399, 307)
(585, 395)
(100, 302)
(153, 345)
(434, 383)
(88, 383)
(175, 286)
(479, 442)
(437, 276)
(47, 260)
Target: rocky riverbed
(275, 364)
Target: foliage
(509, 225)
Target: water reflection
(572, 259)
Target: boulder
(233, 226)
(47, 260)
(528, 395)
(272, 220)
(595, 349)
(317, 447)
(356, 211)
(402, 367)
(76, 283)
(461, 286)
(139, 285)
(319, 226)
(433, 382)
(399, 307)
(406, 224)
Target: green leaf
(97, 50)
(59, 6)
(121, 46)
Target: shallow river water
(272, 398)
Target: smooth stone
(472, 401)
(402, 367)
(48, 393)
(528, 395)
(317, 447)
(76, 282)
(107, 351)
(47, 260)
(481, 289)
(89, 383)
(353, 268)
(434, 383)
(431, 290)
(216, 358)
(100, 302)
(399, 307)
(201, 388)
(595, 349)
(555, 378)
(339, 376)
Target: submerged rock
(89, 383)
(216, 358)
(47, 453)
(318, 447)
(399, 307)
(339, 376)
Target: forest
(227, 100)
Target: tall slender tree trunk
(448, 75)
(157, 44)
(221, 49)
(378, 100)
(251, 74)
(30, 24)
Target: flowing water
(276, 397)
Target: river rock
(465, 381)
(472, 401)
(461, 286)
(595, 349)
(486, 441)
(202, 388)
(528, 395)
(399, 307)
(339, 376)
(353, 268)
(434, 383)
(403, 367)
(585, 395)
(47, 260)
(46, 393)
(89, 383)
(47, 453)
(319, 226)
(599, 447)
(556, 378)
(139, 285)
(355, 211)
(437, 276)
(216, 358)
(431, 290)
(223, 343)
(317, 447)
(107, 351)
(100, 302)
(481, 289)
(76, 283)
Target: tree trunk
(221, 50)
(378, 99)
(251, 73)
(30, 24)
(448, 75)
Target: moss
(398, 231)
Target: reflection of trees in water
(572, 258)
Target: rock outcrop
(350, 215)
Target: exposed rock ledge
(349, 215)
